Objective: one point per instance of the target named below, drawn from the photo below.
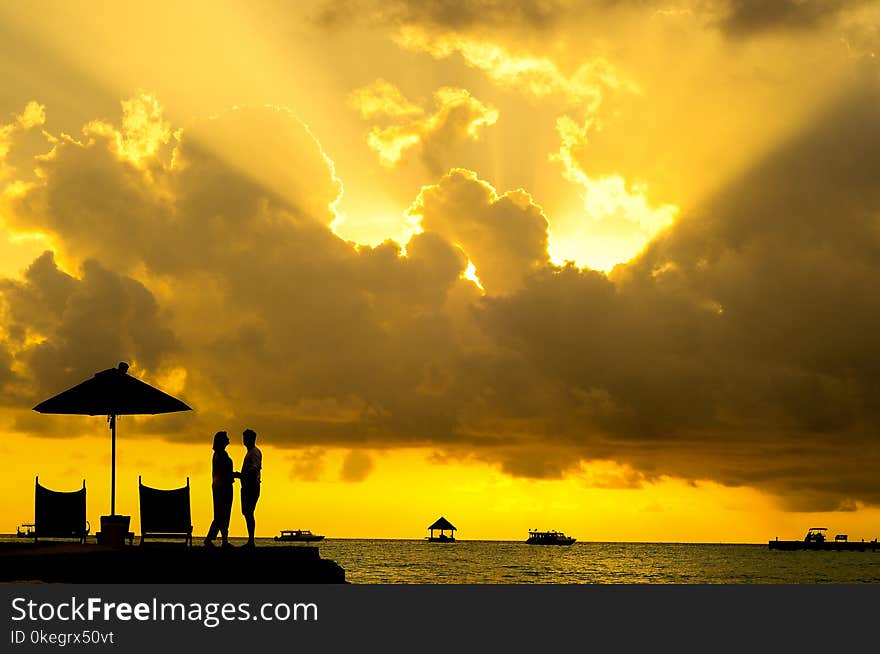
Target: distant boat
(548, 538)
(298, 535)
(26, 530)
(816, 540)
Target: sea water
(506, 562)
(374, 561)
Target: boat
(298, 536)
(26, 530)
(816, 539)
(548, 538)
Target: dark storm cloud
(282, 320)
(356, 466)
(736, 18)
(64, 328)
(307, 465)
(744, 17)
(739, 347)
(452, 14)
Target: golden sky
(610, 268)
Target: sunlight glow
(471, 274)
(190, 177)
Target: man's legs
(249, 497)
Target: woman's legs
(222, 511)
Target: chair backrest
(165, 511)
(60, 514)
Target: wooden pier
(825, 546)
(165, 563)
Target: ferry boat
(548, 538)
(298, 535)
(26, 530)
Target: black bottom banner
(240, 618)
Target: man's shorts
(249, 497)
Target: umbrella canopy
(112, 392)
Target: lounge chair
(60, 514)
(165, 513)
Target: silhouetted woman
(221, 487)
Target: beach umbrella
(112, 392)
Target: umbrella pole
(113, 465)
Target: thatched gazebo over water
(443, 525)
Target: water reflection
(498, 562)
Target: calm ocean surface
(508, 562)
(501, 562)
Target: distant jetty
(165, 564)
(815, 540)
(443, 525)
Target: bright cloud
(457, 117)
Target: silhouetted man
(250, 481)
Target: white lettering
(15, 607)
